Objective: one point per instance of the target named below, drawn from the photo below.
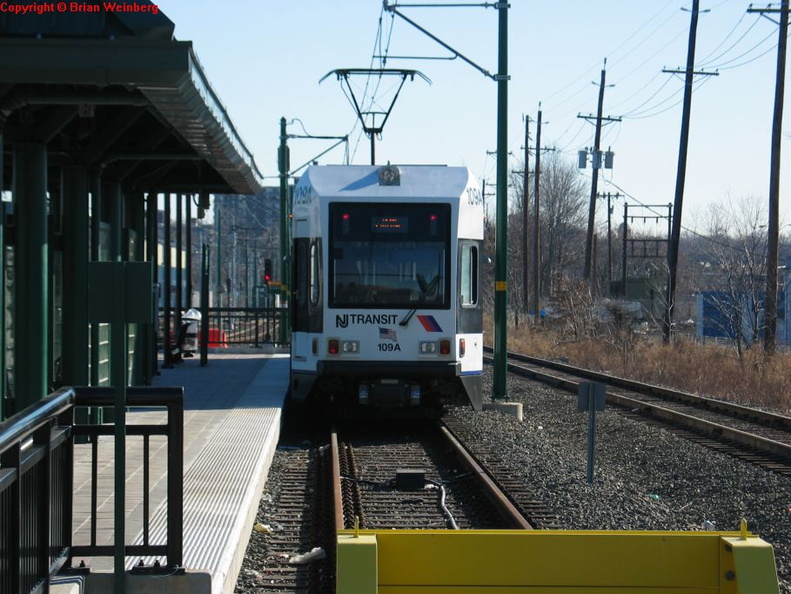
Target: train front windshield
(390, 255)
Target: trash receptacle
(192, 320)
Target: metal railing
(37, 464)
(247, 325)
(242, 326)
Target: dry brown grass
(710, 370)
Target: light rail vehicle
(386, 302)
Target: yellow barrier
(550, 562)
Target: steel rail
(490, 488)
(336, 480)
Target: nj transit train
(386, 303)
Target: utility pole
(675, 235)
(773, 224)
(536, 224)
(525, 217)
(596, 165)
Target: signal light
(333, 346)
(444, 347)
(267, 270)
(462, 347)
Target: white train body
(386, 309)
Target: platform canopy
(113, 90)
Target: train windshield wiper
(424, 292)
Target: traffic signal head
(267, 270)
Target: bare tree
(574, 304)
(563, 219)
(563, 203)
(737, 251)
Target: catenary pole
(501, 236)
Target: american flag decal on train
(387, 334)
(429, 323)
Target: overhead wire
(377, 50)
(628, 51)
(647, 101)
(639, 90)
(695, 86)
(704, 62)
(752, 59)
(723, 65)
(653, 110)
(642, 61)
(657, 104)
(582, 80)
(580, 128)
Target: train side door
(307, 293)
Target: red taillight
(444, 347)
(462, 347)
(333, 346)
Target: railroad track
(296, 551)
(426, 480)
(757, 436)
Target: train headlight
(389, 175)
(444, 347)
(428, 348)
(350, 347)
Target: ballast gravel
(645, 477)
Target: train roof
(418, 181)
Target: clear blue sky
(265, 58)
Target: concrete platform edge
(231, 561)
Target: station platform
(232, 416)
